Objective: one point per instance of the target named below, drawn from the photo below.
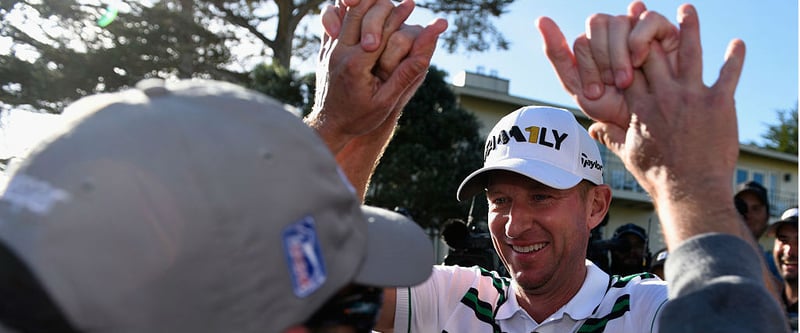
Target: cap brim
(774, 226)
(539, 171)
(399, 253)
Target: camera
(470, 245)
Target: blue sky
(769, 29)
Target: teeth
(527, 249)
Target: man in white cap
(784, 252)
(543, 180)
(644, 116)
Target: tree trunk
(186, 65)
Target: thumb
(610, 135)
(732, 68)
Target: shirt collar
(581, 306)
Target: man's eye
(500, 201)
(540, 197)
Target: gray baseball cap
(196, 206)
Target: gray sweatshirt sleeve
(716, 285)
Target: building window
(758, 177)
(741, 176)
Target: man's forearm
(359, 157)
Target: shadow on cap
(196, 206)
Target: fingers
(399, 45)
(395, 22)
(350, 33)
(588, 71)
(657, 68)
(372, 25)
(651, 26)
(331, 22)
(690, 53)
(610, 135)
(561, 57)
(416, 63)
(639, 88)
(635, 9)
(619, 28)
(732, 69)
(399, 15)
(597, 33)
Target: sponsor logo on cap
(543, 136)
(34, 194)
(589, 163)
(304, 257)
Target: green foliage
(284, 85)
(471, 24)
(782, 137)
(435, 146)
(74, 56)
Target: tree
(60, 53)
(69, 56)
(472, 26)
(782, 137)
(285, 85)
(435, 146)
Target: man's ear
(599, 198)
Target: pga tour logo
(304, 257)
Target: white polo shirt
(457, 300)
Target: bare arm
(361, 93)
(649, 123)
(386, 316)
(676, 135)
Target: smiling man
(785, 254)
(543, 180)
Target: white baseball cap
(193, 206)
(789, 216)
(543, 143)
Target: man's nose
(520, 219)
(789, 250)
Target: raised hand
(352, 99)
(681, 142)
(363, 83)
(601, 65)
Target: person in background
(753, 204)
(755, 199)
(657, 267)
(629, 256)
(784, 252)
